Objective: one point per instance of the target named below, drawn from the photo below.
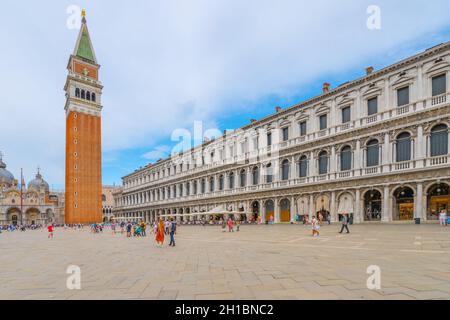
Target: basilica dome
(38, 182)
(5, 175)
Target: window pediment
(372, 92)
(402, 81)
(438, 67)
(323, 109)
(344, 101)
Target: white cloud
(168, 63)
(160, 152)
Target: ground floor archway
(345, 205)
(372, 205)
(438, 198)
(255, 211)
(403, 204)
(322, 207)
(269, 210)
(285, 210)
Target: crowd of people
(168, 227)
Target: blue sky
(166, 64)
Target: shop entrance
(285, 210)
(269, 209)
(438, 199)
(404, 204)
(372, 206)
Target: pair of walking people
(315, 225)
(171, 229)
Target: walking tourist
(230, 225)
(144, 228)
(344, 222)
(238, 224)
(172, 229)
(328, 218)
(443, 218)
(160, 233)
(50, 231)
(166, 227)
(129, 226)
(113, 228)
(315, 227)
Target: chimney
(278, 109)
(206, 139)
(326, 87)
(369, 70)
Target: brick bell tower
(83, 203)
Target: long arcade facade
(376, 148)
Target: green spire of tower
(84, 47)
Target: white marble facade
(376, 148)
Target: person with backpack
(344, 222)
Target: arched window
(83, 94)
(285, 170)
(303, 167)
(77, 92)
(403, 152)
(93, 96)
(103, 197)
(373, 156)
(346, 158)
(221, 182)
(231, 182)
(242, 178)
(323, 162)
(203, 183)
(188, 188)
(88, 95)
(439, 140)
(195, 187)
(255, 176)
(211, 184)
(269, 173)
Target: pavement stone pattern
(259, 262)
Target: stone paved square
(259, 262)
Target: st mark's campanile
(83, 203)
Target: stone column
(418, 209)
(357, 214)
(292, 209)
(277, 211)
(332, 164)
(386, 152)
(311, 207)
(386, 205)
(333, 211)
(357, 158)
(293, 171)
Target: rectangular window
(403, 96)
(345, 114)
(285, 134)
(269, 139)
(303, 128)
(372, 106)
(439, 85)
(323, 122)
(255, 143)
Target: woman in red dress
(160, 233)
